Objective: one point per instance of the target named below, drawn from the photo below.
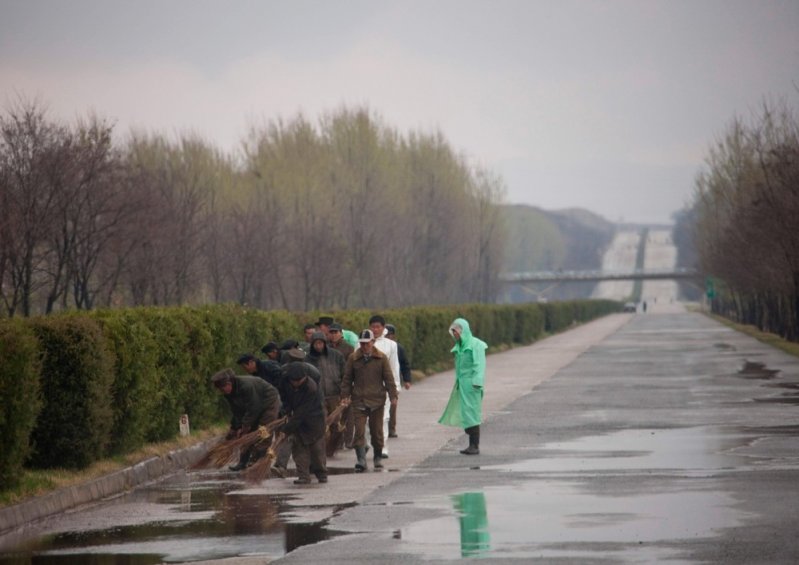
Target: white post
(184, 425)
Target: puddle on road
(195, 518)
(757, 370)
(681, 449)
(593, 497)
(557, 519)
(781, 399)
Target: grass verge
(773, 340)
(37, 482)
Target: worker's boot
(378, 459)
(474, 441)
(244, 458)
(360, 464)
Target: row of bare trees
(746, 210)
(340, 213)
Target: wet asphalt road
(650, 447)
(632, 439)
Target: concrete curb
(113, 484)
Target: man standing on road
(405, 373)
(465, 406)
(293, 356)
(377, 324)
(367, 379)
(306, 423)
(330, 364)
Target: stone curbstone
(18, 515)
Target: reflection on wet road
(194, 516)
(471, 509)
(553, 498)
(536, 518)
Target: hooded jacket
(330, 364)
(465, 406)
(304, 408)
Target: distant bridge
(566, 276)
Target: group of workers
(360, 375)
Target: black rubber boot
(474, 441)
(378, 460)
(360, 464)
(243, 460)
(238, 466)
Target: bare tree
(178, 182)
(33, 153)
(488, 192)
(746, 205)
(341, 213)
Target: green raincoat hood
(467, 339)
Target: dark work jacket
(285, 386)
(331, 367)
(248, 399)
(342, 347)
(405, 365)
(269, 370)
(367, 381)
(304, 407)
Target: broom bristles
(335, 415)
(260, 470)
(333, 429)
(205, 460)
(221, 453)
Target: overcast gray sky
(607, 105)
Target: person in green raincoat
(465, 406)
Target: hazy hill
(542, 240)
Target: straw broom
(260, 470)
(334, 428)
(220, 454)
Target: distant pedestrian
(465, 406)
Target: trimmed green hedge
(72, 429)
(20, 396)
(109, 381)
